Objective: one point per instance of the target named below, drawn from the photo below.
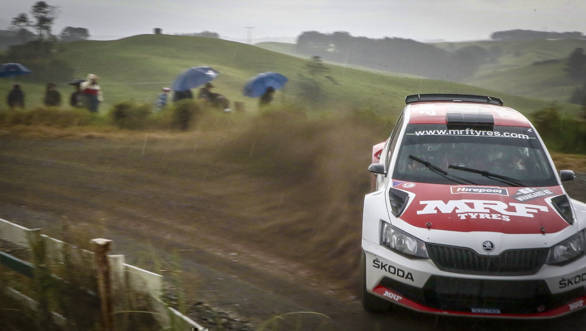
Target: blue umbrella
(258, 85)
(194, 77)
(13, 69)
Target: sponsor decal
(479, 190)
(481, 209)
(391, 269)
(576, 305)
(485, 310)
(377, 155)
(409, 185)
(471, 133)
(392, 296)
(528, 193)
(572, 280)
(396, 183)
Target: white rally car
(469, 217)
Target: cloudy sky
(285, 19)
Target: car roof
(435, 112)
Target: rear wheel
(370, 302)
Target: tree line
(395, 55)
(534, 35)
(39, 48)
(41, 19)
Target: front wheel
(370, 302)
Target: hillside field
(515, 67)
(531, 68)
(136, 68)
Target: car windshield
(500, 156)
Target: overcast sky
(417, 19)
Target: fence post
(43, 283)
(101, 247)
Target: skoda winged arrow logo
(488, 245)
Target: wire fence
(114, 278)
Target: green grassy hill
(280, 47)
(545, 81)
(517, 54)
(137, 67)
(528, 68)
(515, 68)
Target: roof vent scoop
(470, 120)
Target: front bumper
(569, 307)
(420, 286)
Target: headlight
(402, 242)
(398, 201)
(562, 205)
(568, 250)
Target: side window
(393, 142)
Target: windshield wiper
(493, 176)
(440, 171)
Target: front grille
(508, 296)
(512, 262)
(460, 294)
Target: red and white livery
(468, 216)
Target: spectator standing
(163, 97)
(267, 97)
(52, 96)
(15, 97)
(76, 97)
(180, 95)
(92, 93)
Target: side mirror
(567, 175)
(377, 168)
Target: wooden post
(101, 247)
(43, 282)
(239, 106)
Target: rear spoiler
(453, 98)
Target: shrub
(561, 132)
(185, 114)
(128, 115)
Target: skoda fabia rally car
(469, 217)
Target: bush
(185, 114)
(128, 115)
(48, 116)
(562, 133)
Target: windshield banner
(470, 133)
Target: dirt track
(162, 194)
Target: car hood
(465, 208)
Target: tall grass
(64, 282)
(56, 117)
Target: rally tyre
(370, 302)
